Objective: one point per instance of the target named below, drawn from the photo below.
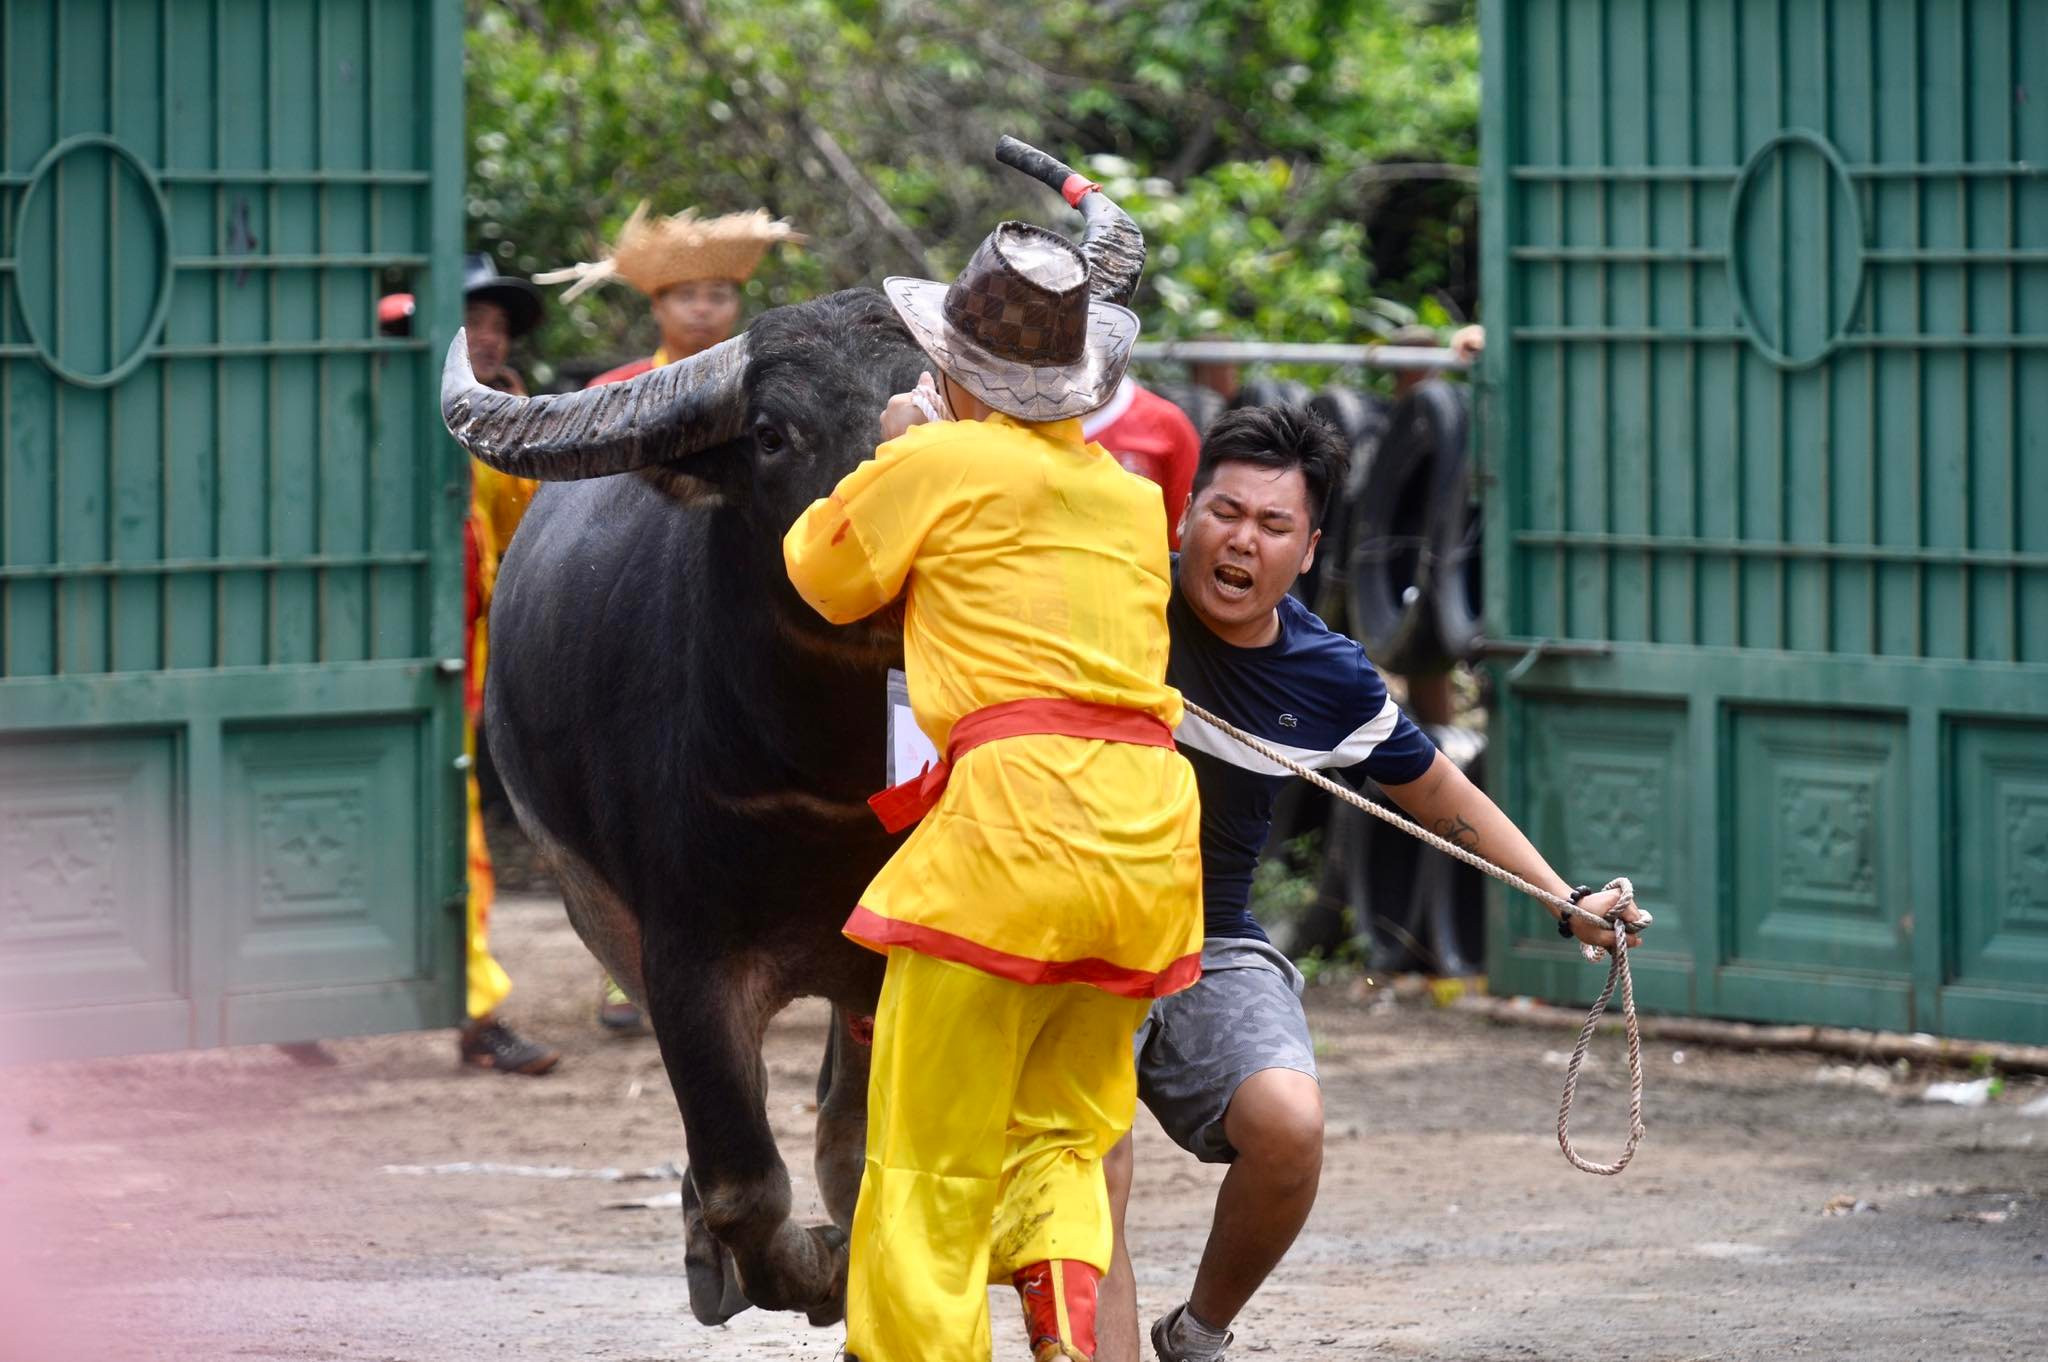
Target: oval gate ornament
(1763, 230)
(46, 248)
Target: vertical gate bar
(1872, 358)
(163, 384)
(1966, 450)
(108, 492)
(375, 366)
(1781, 570)
(1604, 188)
(6, 320)
(220, 365)
(1918, 430)
(1737, 367)
(270, 364)
(1651, 571)
(1563, 351)
(1826, 568)
(2013, 579)
(60, 589)
(320, 370)
(1692, 300)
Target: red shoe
(1059, 1309)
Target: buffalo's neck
(825, 689)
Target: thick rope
(1617, 969)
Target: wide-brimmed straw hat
(1018, 328)
(652, 254)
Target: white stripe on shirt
(1357, 747)
(1107, 415)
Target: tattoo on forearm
(1456, 830)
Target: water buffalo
(690, 746)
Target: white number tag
(910, 751)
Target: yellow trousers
(990, 1107)
(488, 982)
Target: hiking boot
(1162, 1335)
(488, 1043)
(1059, 1309)
(616, 1012)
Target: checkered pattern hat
(1018, 328)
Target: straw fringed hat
(653, 253)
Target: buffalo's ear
(713, 478)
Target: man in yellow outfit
(1052, 888)
(497, 310)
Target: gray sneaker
(1162, 1329)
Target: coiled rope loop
(1617, 970)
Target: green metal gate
(229, 523)
(1767, 524)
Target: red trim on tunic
(878, 933)
(630, 369)
(903, 804)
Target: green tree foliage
(1257, 141)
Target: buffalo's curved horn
(666, 413)
(1113, 245)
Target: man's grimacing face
(1245, 537)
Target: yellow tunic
(1036, 567)
(497, 501)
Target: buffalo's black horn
(1113, 245)
(666, 413)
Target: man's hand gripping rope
(1616, 927)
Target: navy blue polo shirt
(1312, 694)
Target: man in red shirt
(1152, 438)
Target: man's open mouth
(1233, 580)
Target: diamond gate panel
(1765, 429)
(229, 522)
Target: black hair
(1278, 437)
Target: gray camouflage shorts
(1195, 1047)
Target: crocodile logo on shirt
(1289, 721)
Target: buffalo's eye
(767, 437)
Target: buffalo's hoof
(714, 1278)
(833, 1308)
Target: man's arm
(1443, 800)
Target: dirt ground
(239, 1205)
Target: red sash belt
(899, 806)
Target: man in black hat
(497, 309)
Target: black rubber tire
(1199, 404)
(1271, 392)
(1361, 418)
(1411, 510)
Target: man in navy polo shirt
(1227, 1066)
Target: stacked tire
(1414, 570)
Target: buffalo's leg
(842, 1137)
(708, 1017)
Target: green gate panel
(1615, 794)
(230, 553)
(322, 833)
(1764, 430)
(89, 904)
(2000, 885)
